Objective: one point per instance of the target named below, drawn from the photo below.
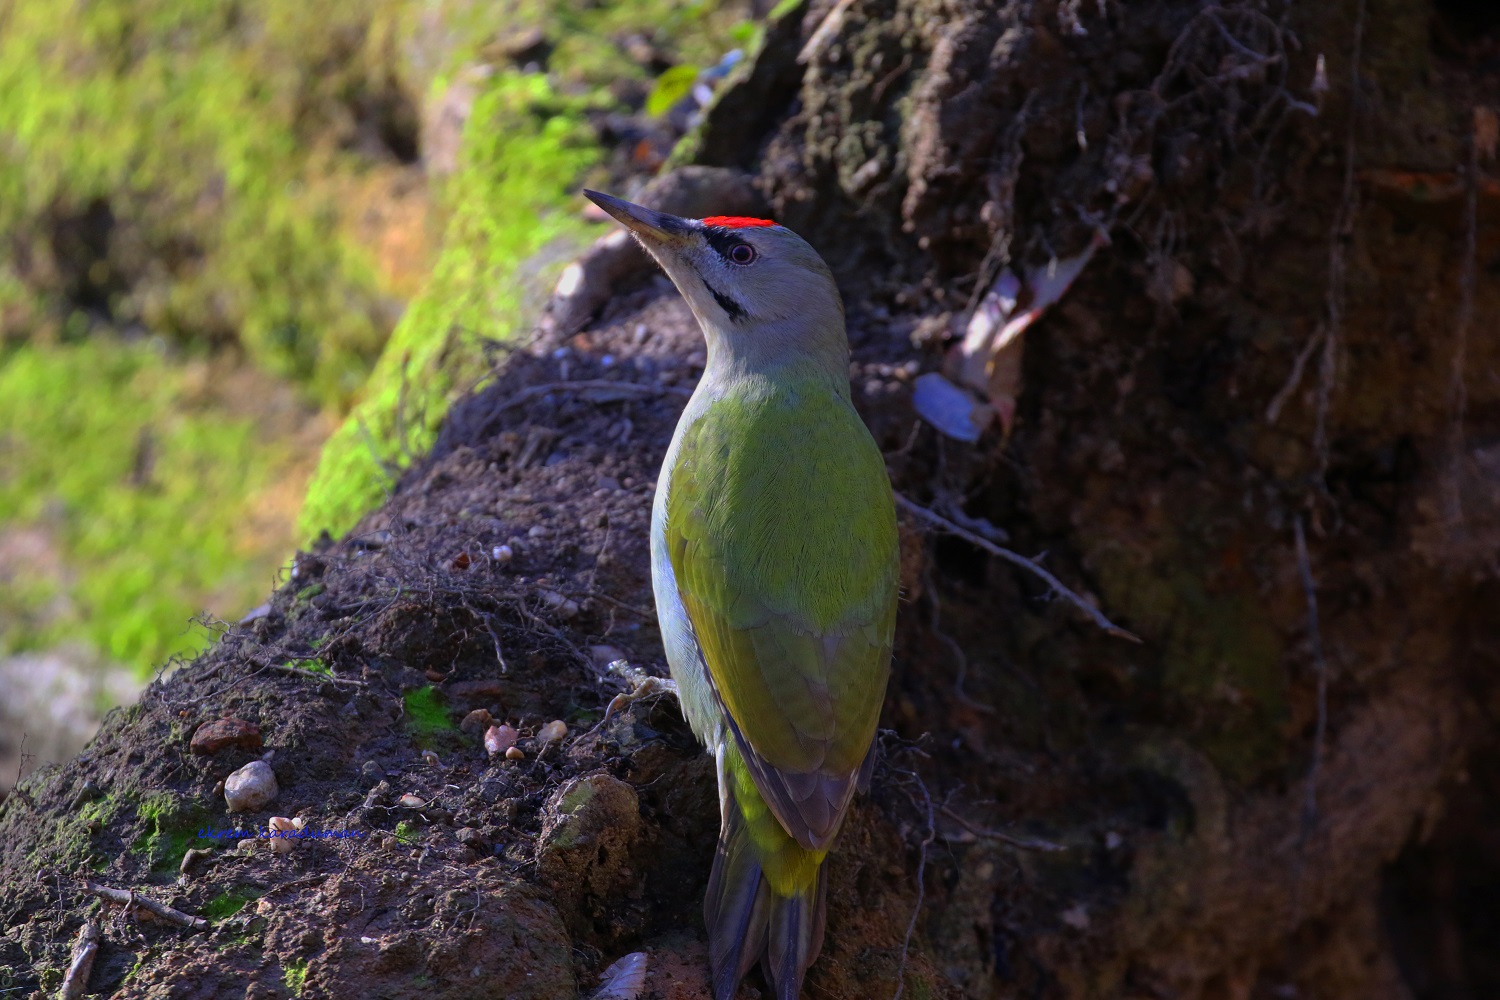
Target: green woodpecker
(774, 561)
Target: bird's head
(759, 291)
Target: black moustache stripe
(735, 311)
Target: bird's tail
(766, 896)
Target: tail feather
(795, 939)
(735, 909)
(767, 895)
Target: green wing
(781, 531)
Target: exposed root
(1010, 839)
(1458, 398)
(1057, 586)
(1320, 664)
(911, 926)
(1337, 264)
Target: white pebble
(251, 788)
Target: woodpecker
(775, 567)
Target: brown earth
(1289, 788)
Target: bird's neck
(782, 352)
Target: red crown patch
(735, 222)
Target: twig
(911, 926)
(986, 833)
(291, 668)
(21, 758)
(1273, 412)
(84, 950)
(1343, 221)
(127, 898)
(1019, 560)
(934, 622)
(1315, 637)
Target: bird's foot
(642, 685)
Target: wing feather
(782, 538)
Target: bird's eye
(742, 253)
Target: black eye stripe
(721, 240)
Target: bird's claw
(642, 685)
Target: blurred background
(246, 257)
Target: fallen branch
(84, 950)
(1019, 560)
(127, 897)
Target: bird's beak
(655, 227)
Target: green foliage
(671, 87)
(200, 170)
(184, 164)
(407, 832)
(140, 479)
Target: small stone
(562, 607)
(370, 771)
(537, 531)
(500, 739)
(603, 656)
(503, 553)
(251, 788)
(473, 839)
(429, 758)
(515, 753)
(193, 857)
(1076, 917)
(280, 828)
(245, 846)
(211, 737)
(255, 614)
(552, 731)
(410, 801)
(476, 721)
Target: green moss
(524, 145)
(227, 904)
(512, 222)
(143, 484)
(171, 828)
(295, 977)
(407, 832)
(316, 665)
(71, 842)
(1221, 660)
(426, 717)
(309, 592)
